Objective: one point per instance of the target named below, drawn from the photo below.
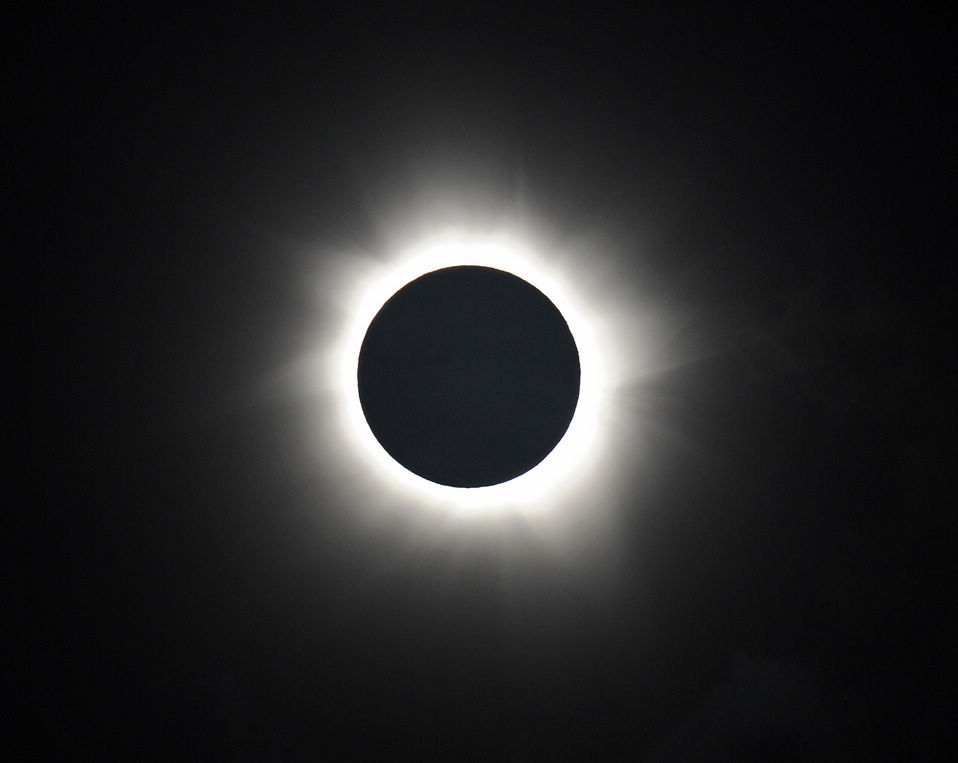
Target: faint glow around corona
(579, 473)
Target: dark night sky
(778, 589)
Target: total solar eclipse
(468, 376)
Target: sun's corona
(576, 452)
(578, 481)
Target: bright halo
(571, 457)
(594, 459)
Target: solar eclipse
(557, 413)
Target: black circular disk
(468, 376)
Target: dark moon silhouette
(468, 376)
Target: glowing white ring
(575, 455)
(619, 335)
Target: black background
(786, 181)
